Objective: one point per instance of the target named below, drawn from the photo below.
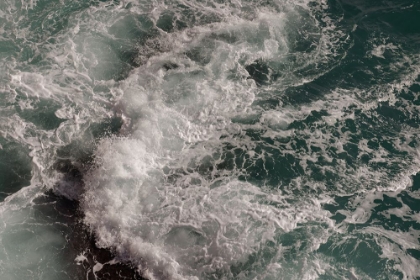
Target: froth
(161, 194)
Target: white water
(147, 198)
(159, 193)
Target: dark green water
(209, 139)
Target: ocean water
(209, 139)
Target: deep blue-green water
(210, 139)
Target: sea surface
(209, 139)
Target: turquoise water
(213, 139)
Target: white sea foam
(64, 82)
(146, 200)
(148, 196)
(161, 194)
(379, 51)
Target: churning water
(210, 139)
